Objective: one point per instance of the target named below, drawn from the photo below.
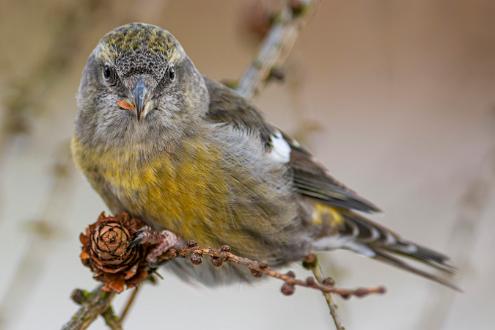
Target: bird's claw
(141, 237)
(162, 241)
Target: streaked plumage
(203, 163)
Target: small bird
(189, 156)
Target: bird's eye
(109, 73)
(171, 73)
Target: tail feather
(427, 256)
(365, 237)
(394, 261)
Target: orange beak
(126, 105)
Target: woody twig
(109, 251)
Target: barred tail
(365, 237)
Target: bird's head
(137, 81)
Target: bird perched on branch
(189, 156)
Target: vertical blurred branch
(24, 102)
(312, 263)
(275, 47)
(25, 99)
(476, 198)
(129, 303)
(43, 231)
(26, 96)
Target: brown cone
(107, 252)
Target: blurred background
(395, 97)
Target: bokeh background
(396, 97)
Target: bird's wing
(309, 178)
(332, 200)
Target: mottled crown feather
(140, 47)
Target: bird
(193, 159)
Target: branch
(275, 47)
(129, 303)
(259, 269)
(312, 263)
(477, 197)
(93, 304)
(114, 256)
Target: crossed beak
(139, 101)
(139, 93)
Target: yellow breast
(185, 192)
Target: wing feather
(310, 179)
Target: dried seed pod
(225, 248)
(196, 259)
(217, 261)
(328, 281)
(256, 20)
(79, 296)
(310, 261)
(276, 74)
(310, 281)
(288, 289)
(255, 272)
(290, 273)
(108, 252)
(298, 7)
(262, 265)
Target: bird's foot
(162, 241)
